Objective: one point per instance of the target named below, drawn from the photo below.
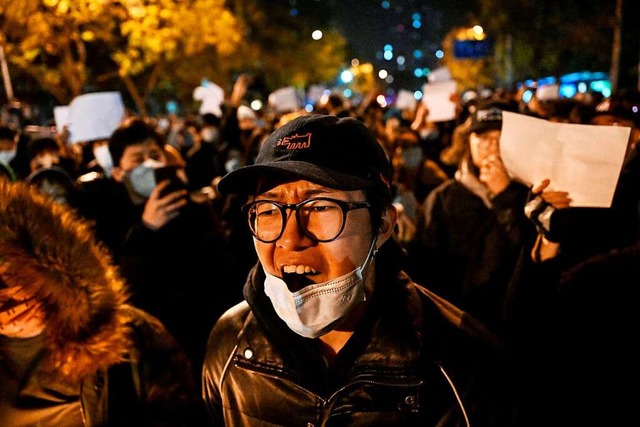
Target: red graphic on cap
(295, 142)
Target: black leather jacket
(416, 360)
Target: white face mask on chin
(316, 309)
(7, 155)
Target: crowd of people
(353, 265)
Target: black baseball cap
(488, 115)
(339, 153)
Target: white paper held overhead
(584, 160)
(94, 116)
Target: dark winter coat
(467, 251)
(116, 360)
(573, 332)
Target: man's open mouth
(298, 276)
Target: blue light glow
(567, 90)
(527, 95)
(172, 107)
(546, 81)
(583, 75)
(602, 86)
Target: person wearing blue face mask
(168, 242)
(127, 197)
(332, 330)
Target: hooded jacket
(117, 361)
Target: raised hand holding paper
(584, 160)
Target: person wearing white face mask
(169, 244)
(332, 331)
(102, 163)
(472, 229)
(8, 144)
(8, 150)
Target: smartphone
(169, 172)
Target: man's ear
(387, 225)
(118, 174)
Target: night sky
(369, 25)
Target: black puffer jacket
(117, 361)
(416, 361)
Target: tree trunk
(135, 94)
(614, 73)
(6, 77)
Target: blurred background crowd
(148, 187)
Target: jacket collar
(388, 339)
(466, 177)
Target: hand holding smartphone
(169, 173)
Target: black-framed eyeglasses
(322, 219)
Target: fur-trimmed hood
(49, 251)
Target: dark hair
(7, 132)
(131, 132)
(41, 145)
(335, 100)
(380, 199)
(210, 119)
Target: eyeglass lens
(319, 219)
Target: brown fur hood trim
(48, 250)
